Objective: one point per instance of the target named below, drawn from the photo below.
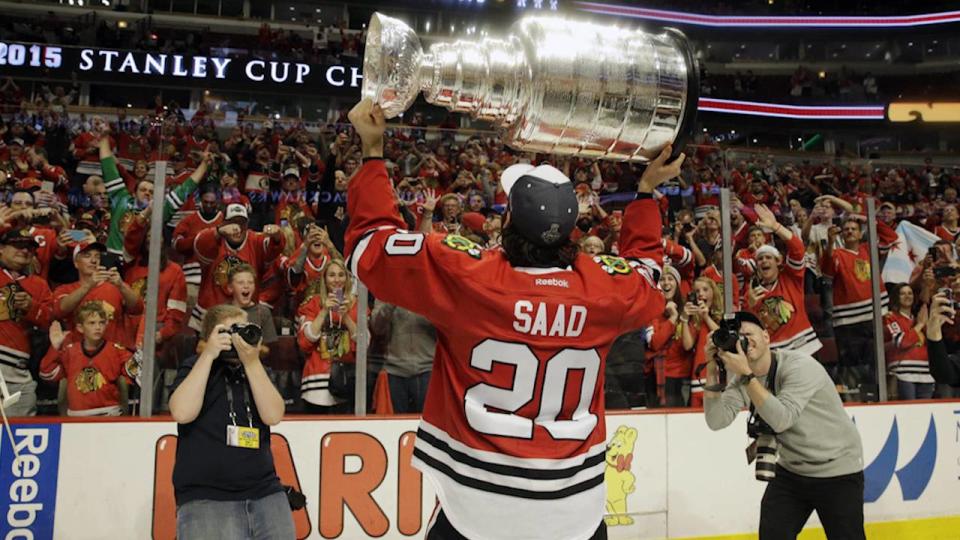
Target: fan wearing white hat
(512, 324)
(776, 296)
(223, 248)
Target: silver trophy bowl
(551, 85)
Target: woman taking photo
(701, 315)
(666, 346)
(327, 336)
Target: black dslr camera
(249, 332)
(726, 338)
(728, 335)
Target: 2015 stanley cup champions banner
(91, 64)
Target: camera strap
(771, 386)
(246, 400)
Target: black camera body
(728, 335)
(725, 338)
(249, 332)
(941, 272)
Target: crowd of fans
(254, 216)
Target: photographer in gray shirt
(411, 344)
(820, 464)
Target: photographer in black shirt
(944, 367)
(224, 480)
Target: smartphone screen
(77, 235)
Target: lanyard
(246, 401)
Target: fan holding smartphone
(328, 338)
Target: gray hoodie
(816, 435)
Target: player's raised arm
(371, 201)
(640, 234)
(407, 269)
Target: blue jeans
(268, 518)
(911, 390)
(408, 393)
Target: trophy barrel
(553, 85)
(602, 92)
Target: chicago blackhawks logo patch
(464, 245)
(8, 309)
(221, 275)
(861, 269)
(613, 265)
(775, 312)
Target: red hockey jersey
(716, 276)
(906, 349)
(698, 369)
(307, 283)
(664, 339)
(852, 289)
(334, 342)
(171, 299)
(947, 234)
(47, 240)
(184, 235)
(91, 376)
(15, 324)
(217, 259)
(745, 265)
(782, 308)
(110, 299)
(681, 258)
(514, 416)
(85, 151)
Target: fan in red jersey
(777, 298)
(25, 302)
(99, 285)
(220, 249)
(853, 300)
(206, 216)
(512, 434)
(97, 371)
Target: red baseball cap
(473, 221)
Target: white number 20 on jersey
(482, 396)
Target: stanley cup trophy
(552, 85)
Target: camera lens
(766, 458)
(249, 332)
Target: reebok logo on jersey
(552, 282)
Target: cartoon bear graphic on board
(618, 477)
